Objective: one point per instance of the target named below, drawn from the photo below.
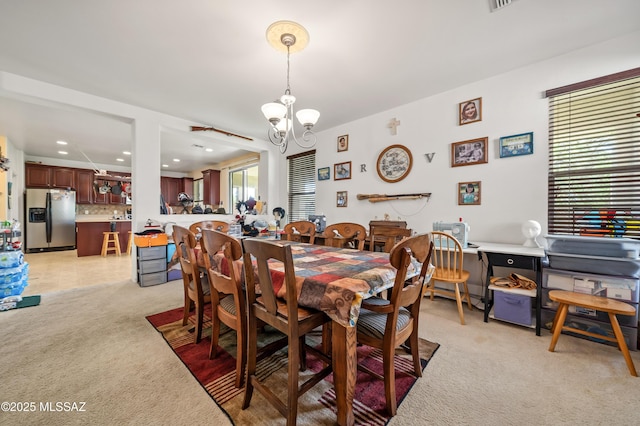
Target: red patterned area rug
(217, 376)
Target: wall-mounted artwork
(324, 173)
(343, 143)
(466, 153)
(469, 193)
(511, 146)
(342, 170)
(470, 111)
(341, 199)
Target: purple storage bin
(512, 307)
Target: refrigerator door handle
(47, 216)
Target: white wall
(513, 189)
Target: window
(594, 157)
(302, 186)
(198, 192)
(244, 185)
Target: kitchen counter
(98, 218)
(89, 234)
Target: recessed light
(126, 152)
(61, 142)
(209, 149)
(63, 152)
(176, 160)
(119, 159)
(165, 165)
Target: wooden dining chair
(284, 314)
(389, 323)
(345, 234)
(216, 225)
(196, 289)
(388, 235)
(297, 231)
(228, 303)
(448, 260)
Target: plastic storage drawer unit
(511, 307)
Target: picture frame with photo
(515, 145)
(469, 193)
(324, 173)
(470, 111)
(342, 199)
(467, 153)
(343, 143)
(342, 170)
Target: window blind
(594, 157)
(302, 185)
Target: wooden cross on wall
(393, 125)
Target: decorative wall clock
(394, 163)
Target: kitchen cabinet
(42, 176)
(62, 177)
(171, 187)
(89, 236)
(211, 187)
(84, 186)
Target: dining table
(335, 281)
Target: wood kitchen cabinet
(42, 176)
(211, 187)
(171, 187)
(84, 186)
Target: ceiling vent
(499, 4)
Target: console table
(517, 257)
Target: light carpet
(94, 344)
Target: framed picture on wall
(469, 193)
(470, 111)
(511, 146)
(466, 153)
(342, 170)
(341, 199)
(343, 143)
(324, 173)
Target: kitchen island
(89, 229)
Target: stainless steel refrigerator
(50, 219)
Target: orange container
(151, 240)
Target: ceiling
(208, 61)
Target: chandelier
(290, 37)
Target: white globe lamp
(531, 229)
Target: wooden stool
(129, 242)
(603, 304)
(110, 237)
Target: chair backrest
(389, 235)
(265, 251)
(225, 278)
(185, 241)
(448, 255)
(345, 234)
(294, 231)
(216, 225)
(420, 248)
